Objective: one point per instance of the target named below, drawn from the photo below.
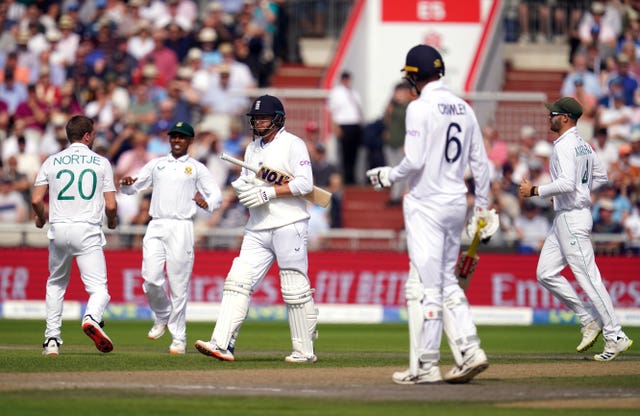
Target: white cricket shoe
(93, 329)
(473, 365)
(298, 357)
(429, 376)
(157, 330)
(51, 347)
(212, 350)
(177, 348)
(590, 334)
(614, 348)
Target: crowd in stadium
(138, 66)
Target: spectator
(326, 175)
(20, 182)
(55, 135)
(216, 19)
(620, 204)
(210, 54)
(141, 44)
(531, 228)
(589, 104)
(222, 99)
(12, 93)
(4, 121)
(159, 143)
(69, 43)
(200, 76)
(12, 206)
(606, 224)
(121, 63)
(178, 39)
(184, 98)
(632, 228)
(346, 112)
(235, 143)
(33, 113)
(594, 29)
(615, 116)
(164, 59)
(606, 149)
(240, 76)
(496, 148)
(394, 118)
(142, 110)
(579, 71)
(132, 160)
(627, 79)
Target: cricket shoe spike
(93, 329)
(474, 364)
(590, 333)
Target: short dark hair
(77, 127)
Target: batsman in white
(180, 185)
(575, 171)
(81, 189)
(442, 139)
(276, 231)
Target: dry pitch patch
(514, 385)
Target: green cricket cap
(566, 105)
(182, 127)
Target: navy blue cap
(266, 105)
(423, 60)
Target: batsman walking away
(276, 231)
(575, 171)
(443, 138)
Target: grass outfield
(342, 350)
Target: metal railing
(344, 239)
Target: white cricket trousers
(433, 244)
(84, 242)
(169, 243)
(569, 242)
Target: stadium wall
(350, 287)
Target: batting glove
(379, 177)
(243, 184)
(490, 220)
(257, 196)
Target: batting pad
(414, 292)
(458, 324)
(235, 303)
(301, 310)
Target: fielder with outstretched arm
(276, 230)
(442, 139)
(575, 170)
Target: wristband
(533, 191)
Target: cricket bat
(268, 175)
(469, 259)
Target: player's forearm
(38, 209)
